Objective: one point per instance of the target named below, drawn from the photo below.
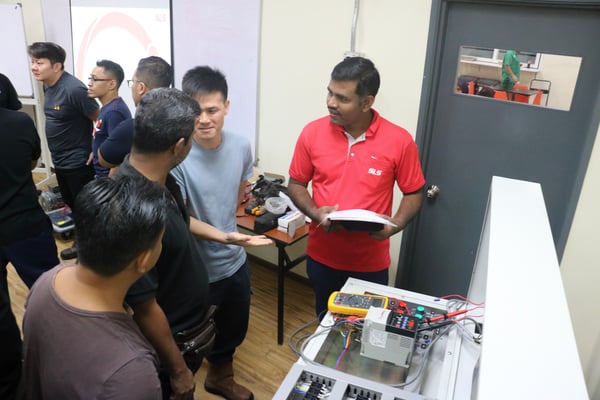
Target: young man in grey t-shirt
(213, 179)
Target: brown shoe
(219, 381)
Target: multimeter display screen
(377, 302)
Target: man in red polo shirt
(353, 157)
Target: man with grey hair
(172, 297)
(151, 73)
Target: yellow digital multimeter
(354, 303)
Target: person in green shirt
(511, 72)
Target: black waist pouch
(196, 342)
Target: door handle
(432, 191)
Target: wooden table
(284, 262)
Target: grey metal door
(465, 140)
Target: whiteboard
(14, 62)
(225, 35)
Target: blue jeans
(31, 257)
(326, 280)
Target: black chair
(543, 85)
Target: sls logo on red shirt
(374, 171)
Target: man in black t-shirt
(174, 295)
(69, 117)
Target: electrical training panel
(394, 356)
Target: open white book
(359, 220)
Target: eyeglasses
(94, 79)
(131, 82)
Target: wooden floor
(260, 364)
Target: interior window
(538, 79)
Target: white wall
(562, 72)
(581, 274)
(300, 44)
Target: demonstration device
(389, 336)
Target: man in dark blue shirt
(103, 84)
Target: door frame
(427, 109)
